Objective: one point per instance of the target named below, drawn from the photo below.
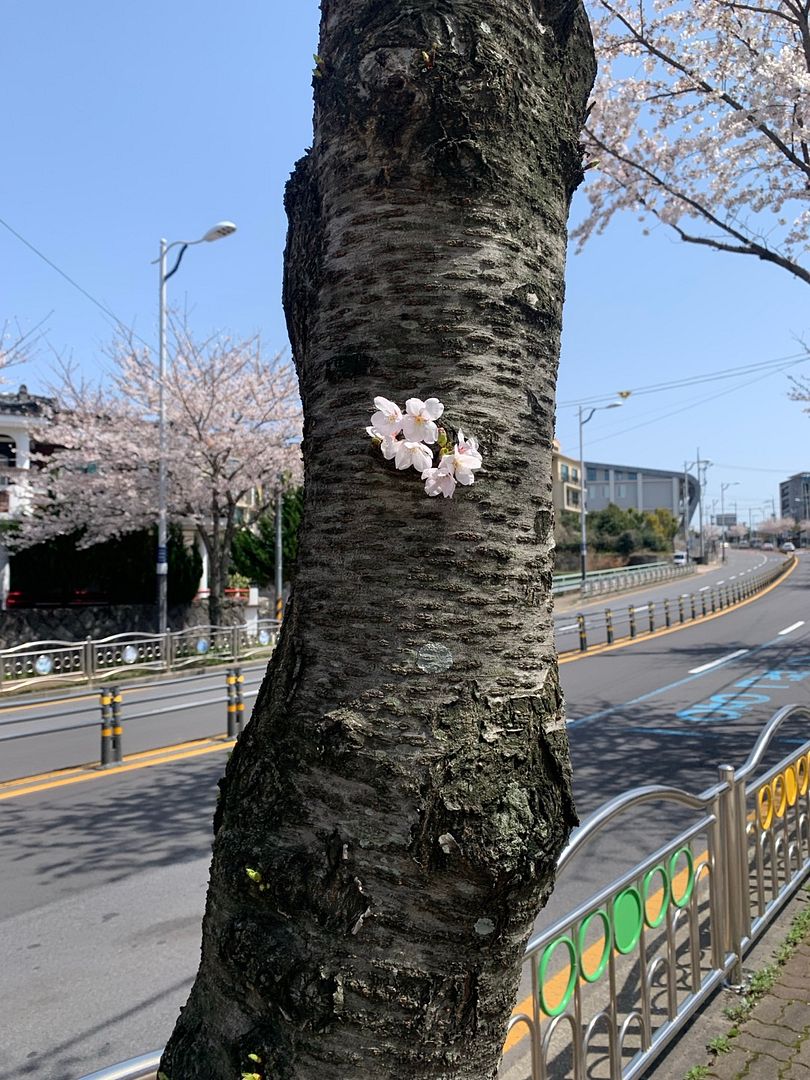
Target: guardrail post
(651, 614)
(583, 635)
(680, 609)
(609, 625)
(692, 599)
(167, 650)
(703, 604)
(230, 686)
(87, 659)
(106, 728)
(714, 600)
(631, 614)
(734, 873)
(240, 705)
(117, 725)
(667, 619)
(235, 642)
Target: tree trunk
(216, 582)
(392, 815)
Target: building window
(621, 491)
(575, 475)
(571, 497)
(5, 502)
(591, 473)
(563, 471)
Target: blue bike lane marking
(801, 661)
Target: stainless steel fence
(617, 978)
(41, 663)
(619, 578)
(584, 631)
(614, 980)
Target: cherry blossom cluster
(407, 438)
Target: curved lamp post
(583, 549)
(216, 232)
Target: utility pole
(700, 506)
(279, 546)
(686, 507)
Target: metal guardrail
(618, 578)
(42, 663)
(618, 624)
(676, 925)
(669, 931)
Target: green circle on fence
(548, 952)
(682, 900)
(665, 895)
(628, 914)
(598, 971)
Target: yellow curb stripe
(557, 983)
(596, 650)
(103, 774)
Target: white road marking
(705, 588)
(722, 582)
(790, 629)
(717, 663)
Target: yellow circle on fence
(802, 771)
(765, 806)
(779, 795)
(791, 785)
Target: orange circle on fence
(779, 795)
(765, 806)
(791, 785)
(802, 771)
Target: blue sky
(127, 122)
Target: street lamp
(216, 232)
(583, 550)
(723, 487)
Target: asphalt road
(103, 881)
(39, 733)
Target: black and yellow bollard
(609, 625)
(667, 617)
(631, 615)
(117, 726)
(106, 728)
(694, 612)
(680, 609)
(238, 702)
(583, 636)
(651, 614)
(230, 684)
(703, 604)
(279, 608)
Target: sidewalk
(765, 1036)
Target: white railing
(42, 663)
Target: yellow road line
(596, 650)
(590, 958)
(147, 759)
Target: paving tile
(777, 1032)
(771, 1047)
(730, 1066)
(794, 1015)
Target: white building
(22, 417)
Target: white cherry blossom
(388, 443)
(439, 481)
(388, 418)
(466, 459)
(412, 454)
(418, 423)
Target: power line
(694, 380)
(120, 324)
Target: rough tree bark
(403, 790)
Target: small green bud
(255, 1057)
(251, 1076)
(442, 438)
(254, 875)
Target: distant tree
(701, 121)
(120, 570)
(233, 422)
(254, 547)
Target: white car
(788, 547)
(680, 558)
